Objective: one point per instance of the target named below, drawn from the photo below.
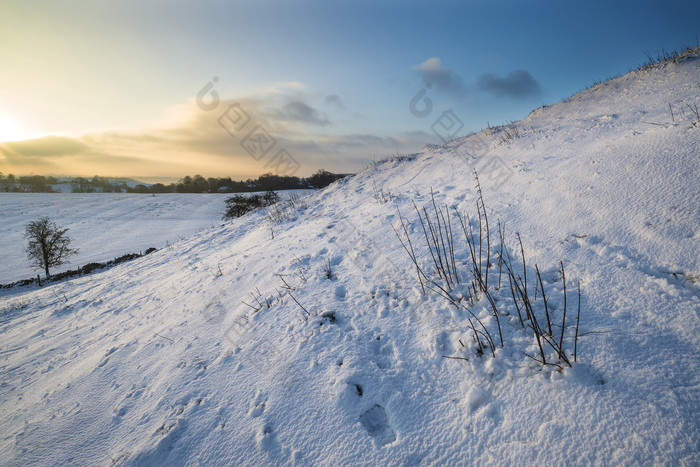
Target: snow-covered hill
(159, 361)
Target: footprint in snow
(477, 397)
(266, 437)
(376, 422)
(258, 405)
(443, 344)
(383, 353)
(226, 358)
(118, 413)
(257, 410)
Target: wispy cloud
(335, 100)
(38, 148)
(518, 84)
(300, 111)
(433, 73)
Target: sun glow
(12, 128)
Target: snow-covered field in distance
(104, 225)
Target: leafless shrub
(380, 195)
(286, 209)
(328, 270)
(259, 302)
(437, 271)
(509, 133)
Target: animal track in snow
(383, 353)
(477, 397)
(376, 422)
(626, 257)
(258, 405)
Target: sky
(160, 89)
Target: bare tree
(49, 245)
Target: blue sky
(110, 87)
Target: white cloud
(433, 73)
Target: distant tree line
(265, 182)
(42, 184)
(97, 184)
(27, 184)
(188, 184)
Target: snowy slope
(158, 360)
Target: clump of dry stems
(444, 275)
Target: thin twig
(488, 233)
(500, 256)
(563, 323)
(166, 338)
(672, 119)
(578, 314)
(411, 253)
(522, 253)
(297, 302)
(544, 363)
(544, 299)
(254, 308)
(425, 232)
